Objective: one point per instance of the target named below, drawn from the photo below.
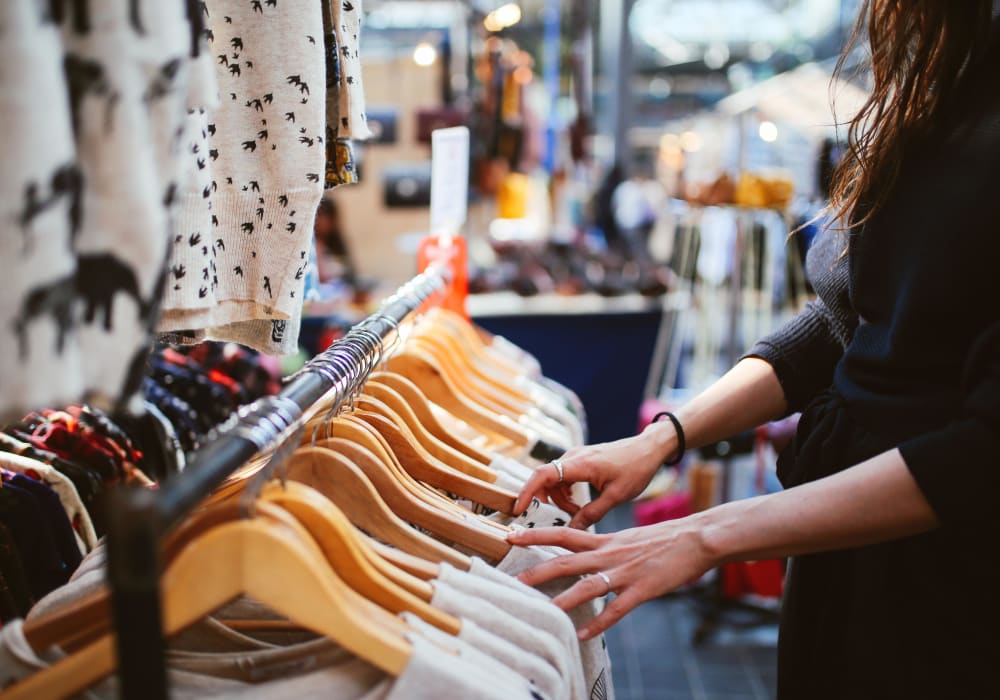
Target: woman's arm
(748, 395)
(875, 501)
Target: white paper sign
(449, 180)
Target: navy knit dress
(902, 349)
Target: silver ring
(607, 580)
(557, 463)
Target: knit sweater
(91, 98)
(259, 159)
(906, 328)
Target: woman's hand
(875, 501)
(620, 470)
(641, 563)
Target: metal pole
(551, 72)
(616, 68)
(138, 518)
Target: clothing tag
(449, 180)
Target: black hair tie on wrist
(681, 442)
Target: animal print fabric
(92, 98)
(255, 177)
(341, 167)
(347, 24)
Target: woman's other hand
(641, 564)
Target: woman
(889, 510)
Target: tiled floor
(653, 657)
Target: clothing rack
(138, 518)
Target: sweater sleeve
(803, 353)
(806, 350)
(956, 466)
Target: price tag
(449, 180)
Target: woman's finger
(584, 590)
(565, 566)
(592, 512)
(544, 478)
(560, 495)
(615, 611)
(548, 476)
(573, 540)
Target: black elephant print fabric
(93, 97)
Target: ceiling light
(504, 16)
(768, 132)
(424, 54)
(508, 15)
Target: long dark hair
(922, 52)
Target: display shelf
(495, 304)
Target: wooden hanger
(413, 565)
(345, 551)
(437, 499)
(421, 408)
(424, 467)
(439, 449)
(331, 471)
(468, 363)
(393, 488)
(424, 371)
(266, 561)
(433, 497)
(498, 395)
(360, 544)
(467, 383)
(88, 617)
(472, 337)
(455, 527)
(73, 626)
(356, 430)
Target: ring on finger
(557, 463)
(607, 580)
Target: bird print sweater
(255, 177)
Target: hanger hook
(263, 423)
(325, 365)
(347, 368)
(369, 345)
(397, 337)
(374, 348)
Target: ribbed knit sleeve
(956, 466)
(806, 350)
(803, 354)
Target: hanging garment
(91, 103)
(347, 25)
(247, 213)
(441, 666)
(22, 514)
(341, 168)
(594, 651)
(63, 486)
(545, 643)
(15, 577)
(43, 197)
(127, 75)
